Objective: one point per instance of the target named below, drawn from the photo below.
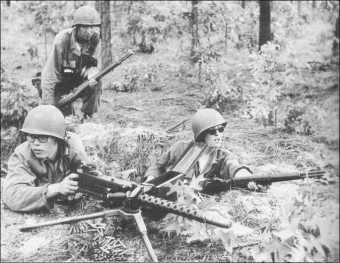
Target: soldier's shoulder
(72, 138)
(63, 36)
(181, 144)
(22, 149)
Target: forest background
(270, 67)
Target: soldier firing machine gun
(127, 197)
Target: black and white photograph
(170, 131)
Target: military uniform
(63, 72)
(214, 162)
(25, 186)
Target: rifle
(128, 197)
(77, 91)
(214, 185)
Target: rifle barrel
(262, 179)
(76, 92)
(106, 70)
(182, 210)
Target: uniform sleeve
(230, 165)
(20, 192)
(97, 55)
(167, 160)
(158, 166)
(51, 74)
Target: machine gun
(214, 185)
(128, 198)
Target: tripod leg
(142, 229)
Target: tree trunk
(335, 47)
(299, 7)
(194, 30)
(129, 7)
(314, 3)
(103, 7)
(243, 3)
(226, 36)
(264, 29)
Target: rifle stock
(76, 91)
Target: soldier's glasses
(213, 131)
(40, 138)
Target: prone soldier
(40, 169)
(215, 163)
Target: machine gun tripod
(130, 205)
(125, 211)
(128, 198)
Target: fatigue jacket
(25, 186)
(66, 53)
(221, 163)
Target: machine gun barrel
(189, 212)
(172, 207)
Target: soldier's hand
(252, 186)
(69, 185)
(92, 83)
(257, 187)
(90, 74)
(245, 173)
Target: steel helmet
(204, 119)
(87, 16)
(45, 120)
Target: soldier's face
(43, 147)
(84, 33)
(215, 136)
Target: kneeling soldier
(74, 59)
(40, 169)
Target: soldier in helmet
(40, 170)
(208, 127)
(74, 59)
